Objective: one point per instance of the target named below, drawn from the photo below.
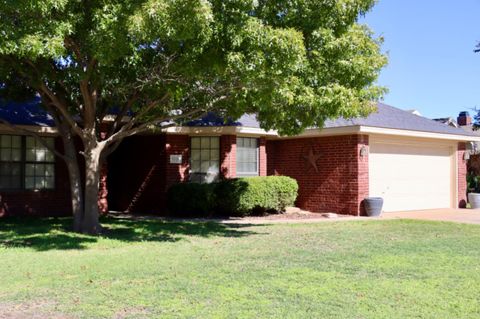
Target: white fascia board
(218, 130)
(42, 130)
(314, 132)
(421, 134)
(112, 118)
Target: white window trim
(257, 168)
(205, 174)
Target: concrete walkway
(467, 216)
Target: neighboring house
(465, 122)
(410, 161)
(450, 121)
(415, 112)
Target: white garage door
(411, 176)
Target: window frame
(23, 162)
(34, 162)
(257, 156)
(19, 162)
(200, 149)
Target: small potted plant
(473, 186)
(373, 206)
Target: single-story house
(411, 161)
(466, 123)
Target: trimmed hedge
(191, 199)
(234, 197)
(256, 195)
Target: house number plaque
(176, 159)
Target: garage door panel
(411, 177)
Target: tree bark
(73, 168)
(89, 223)
(75, 180)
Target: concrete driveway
(467, 216)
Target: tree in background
(149, 64)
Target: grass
(155, 269)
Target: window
(10, 161)
(205, 158)
(247, 156)
(39, 165)
(25, 163)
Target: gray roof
(25, 113)
(386, 116)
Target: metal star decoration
(312, 159)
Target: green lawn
(148, 269)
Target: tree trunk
(75, 181)
(76, 191)
(89, 223)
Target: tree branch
(118, 119)
(144, 127)
(61, 108)
(144, 111)
(43, 88)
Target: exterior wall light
(466, 156)
(363, 151)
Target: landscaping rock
(330, 215)
(292, 210)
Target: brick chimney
(464, 119)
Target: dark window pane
(10, 175)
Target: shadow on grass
(55, 233)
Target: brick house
(410, 161)
(466, 122)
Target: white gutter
(308, 133)
(272, 134)
(33, 128)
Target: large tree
(139, 65)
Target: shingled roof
(386, 116)
(25, 113)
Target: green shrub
(255, 195)
(191, 199)
(473, 183)
(233, 197)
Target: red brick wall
(462, 176)
(54, 202)
(270, 155)
(140, 172)
(103, 190)
(341, 182)
(363, 182)
(262, 157)
(228, 156)
(136, 174)
(177, 145)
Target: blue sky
(432, 66)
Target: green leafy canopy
(295, 63)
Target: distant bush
(191, 199)
(473, 183)
(255, 195)
(233, 197)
